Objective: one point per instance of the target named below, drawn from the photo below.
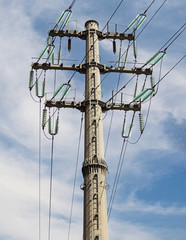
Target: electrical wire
(137, 35)
(121, 88)
(117, 177)
(39, 203)
(169, 70)
(110, 125)
(75, 176)
(50, 193)
(96, 39)
(151, 19)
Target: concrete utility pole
(94, 166)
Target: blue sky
(150, 202)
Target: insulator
(69, 44)
(37, 88)
(53, 58)
(43, 52)
(48, 40)
(148, 95)
(68, 86)
(130, 129)
(125, 59)
(43, 89)
(49, 126)
(135, 49)
(136, 88)
(163, 54)
(114, 46)
(58, 90)
(68, 17)
(134, 21)
(152, 81)
(124, 124)
(57, 125)
(44, 118)
(51, 51)
(59, 56)
(152, 58)
(31, 79)
(143, 87)
(141, 122)
(140, 22)
(119, 58)
(60, 18)
(140, 95)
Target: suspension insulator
(58, 90)
(69, 44)
(148, 95)
(51, 51)
(141, 20)
(143, 87)
(134, 21)
(49, 125)
(135, 49)
(119, 58)
(141, 122)
(37, 88)
(152, 81)
(48, 40)
(53, 58)
(136, 88)
(140, 95)
(125, 59)
(68, 86)
(59, 56)
(160, 57)
(124, 125)
(43, 89)
(57, 125)
(114, 46)
(43, 52)
(130, 129)
(68, 17)
(157, 57)
(44, 118)
(31, 79)
(60, 18)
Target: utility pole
(94, 168)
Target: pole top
(91, 24)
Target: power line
(151, 19)
(39, 168)
(75, 176)
(170, 70)
(117, 177)
(51, 179)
